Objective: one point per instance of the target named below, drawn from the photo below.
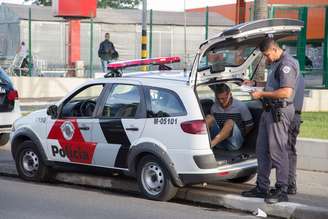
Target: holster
(274, 106)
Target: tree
(40, 2)
(260, 9)
(260, 12)
(118, 3)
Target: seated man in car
(230, 120)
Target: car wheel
(154, 180)
(29, 163)
(242, 179)
(4, 138)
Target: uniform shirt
(299, 93)
(237, 111)
(283, 73)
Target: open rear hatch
(231, 57)
(231, 53)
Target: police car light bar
(139, 62)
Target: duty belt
(269, 104)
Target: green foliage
(118, 3)
(315, 125)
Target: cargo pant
(272, 148)
(292, 155)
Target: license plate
(2, 90)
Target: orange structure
(316, 16)
(73, 11)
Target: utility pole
(144, 33)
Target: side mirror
(217, 67)
(52, 111)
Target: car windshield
(231, 56)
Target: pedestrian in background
(272, 141)
(22, 52)
(106, 52)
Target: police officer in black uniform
(272, 140)
(293, 132)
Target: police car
(9, 107)
(151, 125)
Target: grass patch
(315, 125)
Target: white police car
(150, 125)
(9, 107)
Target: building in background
(315, 23)
(49, 34)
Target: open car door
(232, 53)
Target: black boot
(292, 189)
(255, 192)
(276, 195)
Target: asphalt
(311, 202)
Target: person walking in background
(22, 52)
(106, 52)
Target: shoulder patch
(286, 69)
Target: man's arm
(254, 83)
(100, 50)
(247, 118)
(280, 93)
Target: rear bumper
(5, 128)
(232, 171)
(8, 118)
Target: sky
(167, 5)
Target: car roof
(153, 78)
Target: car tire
(4, 138)
(154, 180)
(242, 179)
(29, 163)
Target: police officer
(293, 132)
(272, 141)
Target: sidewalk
(310, 202)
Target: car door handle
(84, 128)
(132, 129)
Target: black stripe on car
(114, 133)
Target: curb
(195, 194)
(203, 195)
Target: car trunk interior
(247, 151)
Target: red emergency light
(140, 62)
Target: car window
(164, 103)
(122, 102)
(231, 56)
(206, 92)
(83, 103)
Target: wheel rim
(152, 178)
(30, 162)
